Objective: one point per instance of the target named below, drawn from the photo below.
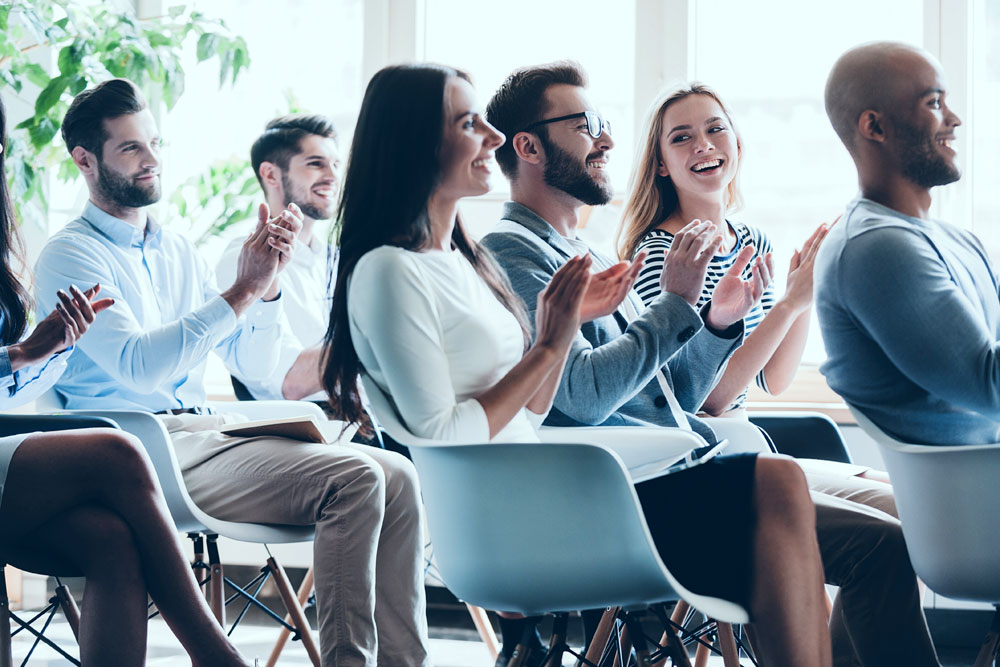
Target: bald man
(908, 305)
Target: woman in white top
(427, 315)
(87, 501)
(688, 170)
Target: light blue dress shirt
(148, 350)
(28, 382)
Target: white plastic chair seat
(187, 516)
(551, 526)
(947, 497)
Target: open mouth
(326, 193)
(947, 143)
(482, 163)
(597, 164)
(707, 166)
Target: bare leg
(96, 542)
(52, 473)
(788, 608)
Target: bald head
(876, 76)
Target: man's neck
(899, 194)
(553, 206)
(133, 216)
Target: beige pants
(365, 505)
(877, 617)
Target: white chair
(553, 526)
(191, 519)
(946, 497)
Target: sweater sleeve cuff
(732, 332)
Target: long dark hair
(392, 171)
(14, 299)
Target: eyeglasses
(596, 126)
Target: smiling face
(575, 162)
(922, 127)
(698, 147)
(311, 180)
(468, 143)
(128, 171)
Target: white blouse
(432, 336)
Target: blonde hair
(653, 198)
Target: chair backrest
(806, 435)
(536, 527)
(947, 497)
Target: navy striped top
(656, 242)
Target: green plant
(93, 43)
(224, 195)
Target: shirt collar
(117, 230)
(525, 217)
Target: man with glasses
(555, 158)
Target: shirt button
(686, 335)
(660, 401)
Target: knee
(781, 490)
(402, 485)
(126, 459)
(107, 539)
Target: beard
(293, 195)
(920, 160)
(564, 172)
(123, 190)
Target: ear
(661, 168)
(528, 148)
(270, 175)
(871, 125)
(84, 160)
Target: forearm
(784, 364)
(541, 402)
(239, 297)
(519, 386)
(757, 350)
(303, 378)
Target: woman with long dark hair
(424, 313)
(87, 501)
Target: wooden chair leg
(677, 616)
(305, 590)
(6, 651)
(750, 638)
(701, 655)
(988, 650)
(216, 584)
(600, 639)
(69, 608)
(678, 653)
(485, 629)
(624, 653)
(294, 610)
(557, 643)
(727, 644)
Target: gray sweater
(911, 319)
(610, 376)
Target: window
(981, 133)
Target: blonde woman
(688, 171)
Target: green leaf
(69, 62)
(50, 95)
(207, 45)
(43, 132)
(4, 14)
(175, 11)
(36, 74)
(225, 64)
(77, 85)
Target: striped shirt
(656, 243)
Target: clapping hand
(733, 296)
(686, 262)
(557, 317)
(799, 290)
(608, 288)
(73, 315)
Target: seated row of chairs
(591, 547)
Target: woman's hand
(608, 288)
(733, 296)
(557, 318)
(73, 315)
(799, 290)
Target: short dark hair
(84, 121)
(281, 138)
(520, 101)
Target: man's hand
(257, 265)
(73, 315)
(608, 288)
(733, 296)
(686, 262)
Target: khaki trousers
(365, 505)
(877, 618)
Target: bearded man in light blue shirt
(148, 352)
